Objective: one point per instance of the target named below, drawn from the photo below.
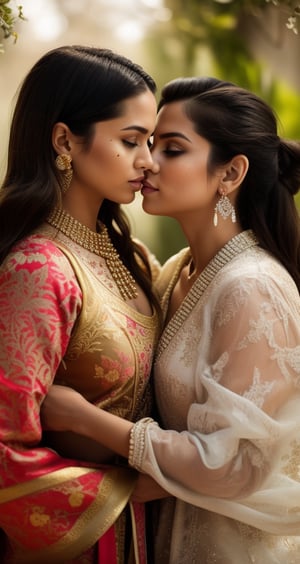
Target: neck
(84, 211)
(206, 241)
(98, 243)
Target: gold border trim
(37, 484)
(114, 492)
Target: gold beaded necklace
(98, 243)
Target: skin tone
(112, 166)
(178, 185)
(184, 189)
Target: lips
(137, 182)
(147, 188)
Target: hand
(64, 409)
(147, 489)
(61, 408)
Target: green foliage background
(205, 38)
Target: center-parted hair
(236, 121)
(79, 86)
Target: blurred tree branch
(8, 17)
(291, 9)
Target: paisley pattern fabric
(227, 380)
(62, 320)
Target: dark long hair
(79, 86)
(235, 121)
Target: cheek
(193, 174)
(102, 157)
(114, 157)
(178, 173)
(171, 169)
(97, 165)
(104, 152)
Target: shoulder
(255, 275)
(257, 264)
(171, 269)
(153, 262)
(37, 260)
(179, 258)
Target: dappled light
(254, 44)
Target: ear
(234, 173)
(61, 138)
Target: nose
(144, 160)
(149, 163)
(154, 168)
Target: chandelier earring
(63, 164)
(225, 208)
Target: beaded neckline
(98, 243)
(234, 247)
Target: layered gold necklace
(98, 243)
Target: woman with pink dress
(77, 305)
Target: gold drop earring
(63, 164)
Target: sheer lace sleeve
(244, 411)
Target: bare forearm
(66, 410)
(73, 445)
(147, 489)
(105, 428)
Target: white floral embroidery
(258, 390)
(217, 371)
(288, 359)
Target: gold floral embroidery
(111, 345)
(76, 498)
(38, 518)
(111, 375)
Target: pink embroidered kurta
(62, 320)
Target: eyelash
(171, 153)
(129, 143)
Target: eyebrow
(174, 134)
(135, 128)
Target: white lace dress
(227, 378)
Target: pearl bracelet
(137, 442)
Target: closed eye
(173, 152)
(131, 144)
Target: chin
(127, 200)
(132, 196)
(151, 210)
